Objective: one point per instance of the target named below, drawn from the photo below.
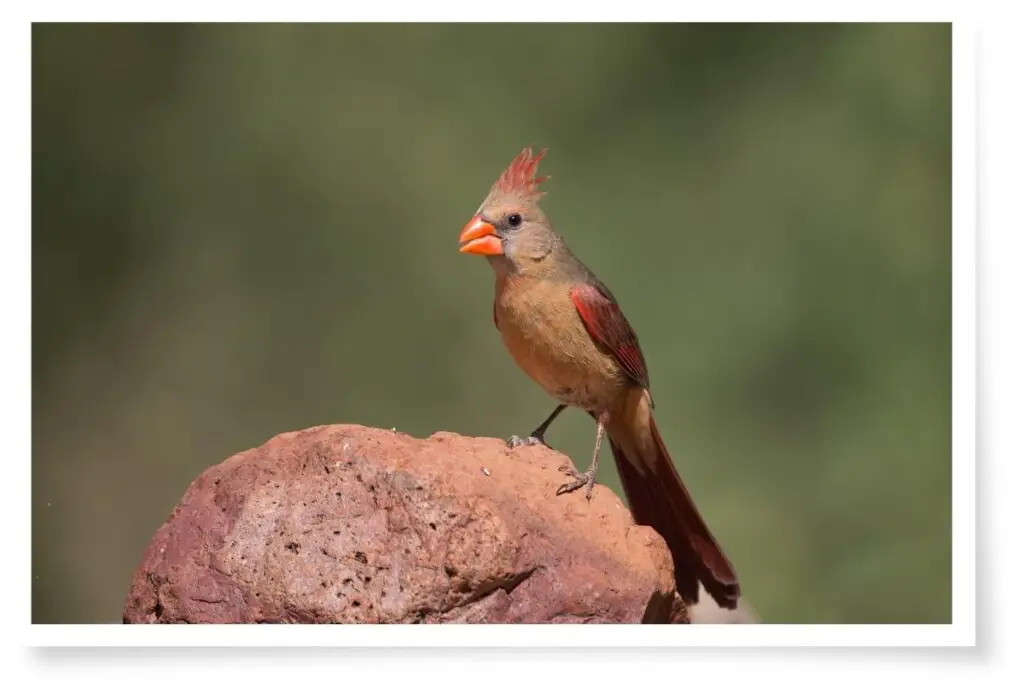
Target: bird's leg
(589, 477)
(537, 435)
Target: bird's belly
(564, 362)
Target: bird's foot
(531, 440)
(587, 479)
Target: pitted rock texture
(352, 524)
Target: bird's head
(509, 227)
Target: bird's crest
(520, 176)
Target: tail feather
(659, 499)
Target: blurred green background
(240, 230)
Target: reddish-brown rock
(352, 524)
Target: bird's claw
(587, 479)
(518, 441)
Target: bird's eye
(514, 220)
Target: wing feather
(608, 326)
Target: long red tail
(658, 498)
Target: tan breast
(545, 335)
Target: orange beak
(480, 237)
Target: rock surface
(352, 524)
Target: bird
(566, 331)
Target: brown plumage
(565, 330)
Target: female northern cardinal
(565, 330)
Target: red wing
(494, 314)
(609, 327)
